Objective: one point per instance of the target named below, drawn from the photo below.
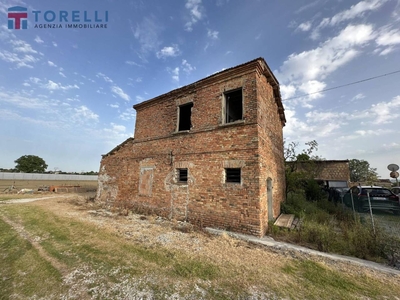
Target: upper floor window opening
(185, 117)
(233, 106)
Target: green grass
(96, 263)
(312, 275)
(23, 270)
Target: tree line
(36, 164)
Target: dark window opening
(233, 175)
(233, 106)
(182, 175)
(185, 114)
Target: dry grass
(85, 252)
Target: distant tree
(360, 170)
(30, 164)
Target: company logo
(17, 17)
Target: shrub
(312, 190)
(329, 227)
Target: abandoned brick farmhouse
(210, 153)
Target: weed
(331, 228)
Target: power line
(343, 85)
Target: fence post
(352, 204)
(372, 215)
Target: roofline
(317, 160)
(264, 70)
(116, 148)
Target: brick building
(330, 173)
(210, 153)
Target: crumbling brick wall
(142, 173)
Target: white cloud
(62, 74)
(106, 78)
(21, 46)
(358, 97)
(34, 79)
(294, 126)
(222, 2)
(147, 33)
(52, 86)
(329, 56)
(116, 105)
(128, 114)
(312, 87)
(323, 116)
(117, 132)
(386, 112)
(355, 11)
(51, 64)
(139, 99)
(85, 113)
(132, 63)
(186, 67)
(365, 133)
(287, 91)
(306, 71)
(26, 84)
(38, 40)
(213, 34)
(386, 51)
(196, 11)
(174, 73)
(21, 61)
(170, 51)
(118, 128)
(119, 92)
(306, 26)
(388, 38)
(55, 44)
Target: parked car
(381, 198)
(396, 190)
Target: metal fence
(34, 176)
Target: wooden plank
(284, 220)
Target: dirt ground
(150, 230)
(153, 231)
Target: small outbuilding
(209, 153)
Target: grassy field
(65, 249)
(35, 184)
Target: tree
(300, 168)
(30, 164)
(360, 170)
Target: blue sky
(66, 94)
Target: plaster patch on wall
(178, 191)
(107, 189)
(146, 181)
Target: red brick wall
(271, 149)
(148, 164)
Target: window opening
(233, 106)
(182, 175)
(185, 114)
(233, 175)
